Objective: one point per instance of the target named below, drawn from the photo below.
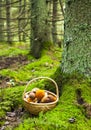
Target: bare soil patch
(15, 61)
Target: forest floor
(13, 59)
(17, 68)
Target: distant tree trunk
(19, 22)
(77, 40)
(1, 23)
(61, 5)
(39, 33)
(54, 21)
(24, 37)
(48, 25)
(9, 37)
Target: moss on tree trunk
(77, 40)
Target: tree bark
(77, 38)
(9, 38)
(54, 22)
(61, 5)
(24, 36)
(39, 26)
(19, 22)
(1, 23)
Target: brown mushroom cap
(32, 95)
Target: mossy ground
(48, 65)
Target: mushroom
(32, 95)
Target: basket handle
(57, 92)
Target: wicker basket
(35, 108)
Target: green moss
(44, 66)
(58, 118)
(67, 107)
(16, 49)
(11, 98)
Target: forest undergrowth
(17, 68)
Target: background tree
(61, 5)
(19, 21)
(15, 21)
(8, 21)
(77, 40)
(24, 15)
(57, 22)
(54, 20)
(1, 22)
(39, 23)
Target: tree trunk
(39, 33)
(24, 21)
(77, 37)
(19, 21)
(9, 37)
(54, 21)
(61, 5)
(1, 24)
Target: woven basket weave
(35, 108)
